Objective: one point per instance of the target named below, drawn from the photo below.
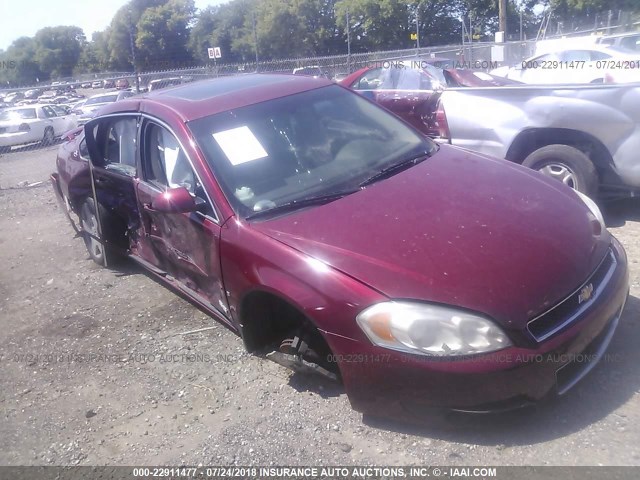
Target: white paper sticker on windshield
(240, 145)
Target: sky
(20, 18)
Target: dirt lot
(64, 402)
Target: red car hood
(459, 229)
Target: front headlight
(430, 329)
(591, 205)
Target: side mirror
(174, 200)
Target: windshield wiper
(396, 168)
(304, 202)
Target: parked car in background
(97, 84)
(86, 85)
(122, 84)
(36, 123)
(627, 41)
(47, 96)
(585, 136)
(572, 66)
(92, 104)
(75, 107)
(62, 110)
(253, 197)
(109, 83)
(13, 97)
(164, 83)
(412, 93)
(26, 101)
(311, 71)
(338, 77)
(32, 93)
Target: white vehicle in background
(34, 123)
(164, 83)
(628, 41)
(314, 71)
(590, 64)
(91, 105)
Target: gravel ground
(96, 370)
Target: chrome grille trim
(598, 289)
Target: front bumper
(389, 383)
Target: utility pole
(418, 28)
(521, 33)
(255, 36)
(502, 17)
(133, 54)
(348, 44)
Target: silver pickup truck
(585, 136)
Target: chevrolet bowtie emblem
(585, 293)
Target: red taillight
(441, 123)
(70, 135)
(24, 128)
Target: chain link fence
(476, 56)
(69, 95)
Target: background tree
(19, 65)
(57, 50)
(122, 27)
(95, 54)
(201, 33)
(163, 35)
(234, 33)
(383, 24)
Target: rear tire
(49, 136)
(89, 222)
(567, 165)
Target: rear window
(20, 114)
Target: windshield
(102, 99)
(305, 145)
(21, 114)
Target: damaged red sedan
(325, 230)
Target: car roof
(594, 48)
(199, 99)
(22, 107)
(619, 35)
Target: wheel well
(268, 319)
(530, 140)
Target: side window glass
(48, 111)
(369, 81)
(631, 43)
(166, 165)
(599, 55)
(119, 146)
